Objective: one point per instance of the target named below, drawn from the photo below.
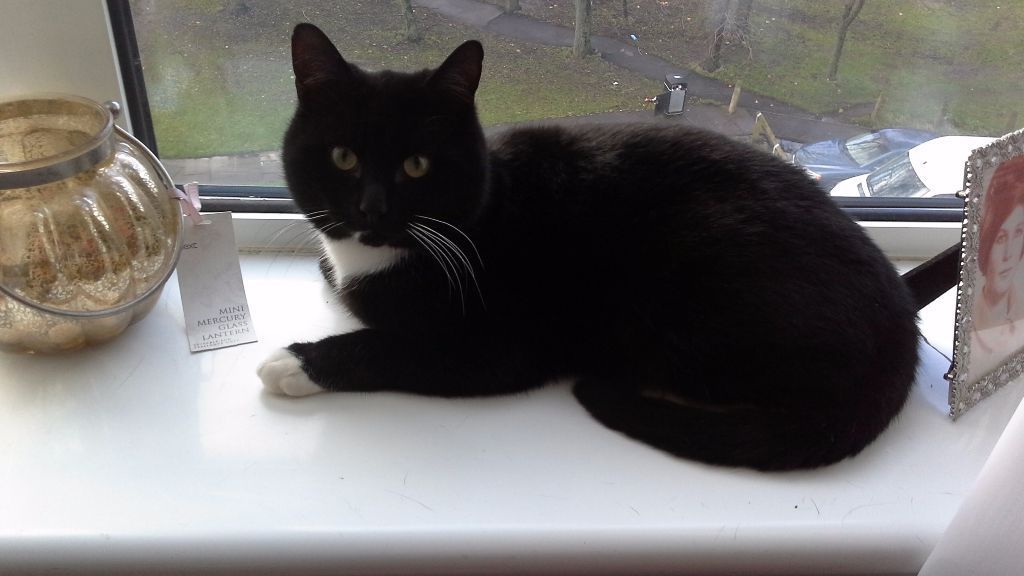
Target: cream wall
(58, 46)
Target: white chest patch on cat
(351, 258)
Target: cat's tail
(933, 278)
(763, 439)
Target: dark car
(833, 161)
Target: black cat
(706, 298)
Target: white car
(934, 168)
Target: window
(220, 93)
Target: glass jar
(90, 229)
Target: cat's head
(367, 153)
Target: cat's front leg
(336, 363)
(282, 373)
(431, 364)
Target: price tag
(210, 278)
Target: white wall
(58, 46)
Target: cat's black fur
(706, 298)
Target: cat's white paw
(282, 373)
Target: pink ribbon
(190, 201)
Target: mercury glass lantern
(90, 225)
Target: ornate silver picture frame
(988, 345)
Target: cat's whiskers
(311, 216)
(308, 231)
(318, 234)
(305, 237)
(455, 251)
(329, 227)
(456, 228)
(453, 263)
(312, 234)
(436, 253)
(273, 239)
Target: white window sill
(139, 456)
(899, 240)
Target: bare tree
(512, 6)
(412, 32)
(731, 21)
(581, 39)
(850, 12)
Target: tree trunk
(714, 61)
(741, 16)
(581, 40)
(412, 32)
(625, 9)
(512, 6)
(731, 21)
(850, 13)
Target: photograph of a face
(989, 345)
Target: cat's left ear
(459, 75)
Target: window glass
(218, 72)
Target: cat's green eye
(416, 166)
(344, 158)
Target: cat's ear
(459, 75)
(320, 71)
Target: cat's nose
(373, 204)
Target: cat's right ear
(320, 71)
(458, 77)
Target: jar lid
(48, 138)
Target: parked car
(833, 161)
(935, 168)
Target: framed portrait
(988, 346)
